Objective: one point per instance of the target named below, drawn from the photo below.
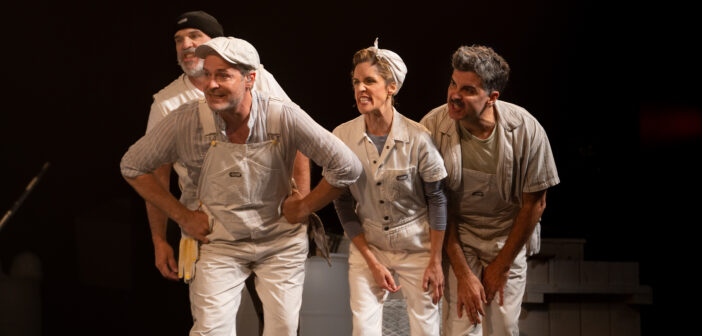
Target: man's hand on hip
(293, 208)
(196, 224)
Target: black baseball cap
(200, 20)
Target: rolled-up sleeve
(430, 160)
(341, 167)
(541, 172)
(152, 151)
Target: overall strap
(207, 121)
(275, 110)
(273, 125)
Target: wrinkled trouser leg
(215, 291)
(279, 264)
(280, 276)
(367, 297)
(498, 320)
(424, 317)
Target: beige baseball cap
(231, 49)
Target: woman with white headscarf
(395, 214)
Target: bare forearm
(296, 209)
(152, 191)
(454, 251)
(158, 220)
(322, 194)
(532, 208)
(301, 173)
(362, 245)
(437, 242)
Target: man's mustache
(456, 102)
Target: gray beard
(197, 71)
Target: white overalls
(403, 250)
(525, 164)
(178, 93)
(393, 211)
(491, 221)
(242, 187)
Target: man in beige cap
(192, 29)
(238, 148)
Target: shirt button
(381, 201)
(374, 161)
(386, 217)
(386, 228)
(378, 183)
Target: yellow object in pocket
(187, 257)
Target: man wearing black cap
(191, 30)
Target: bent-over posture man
(238, 148)
(499, 166)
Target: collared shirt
(390, 190)
(182, 91)
(525, 162)
(179, 137)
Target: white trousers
(498, 320)
(279, 264)
(367, 297)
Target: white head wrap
(397, 66)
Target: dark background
(614, 85)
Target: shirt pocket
(402, 189)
